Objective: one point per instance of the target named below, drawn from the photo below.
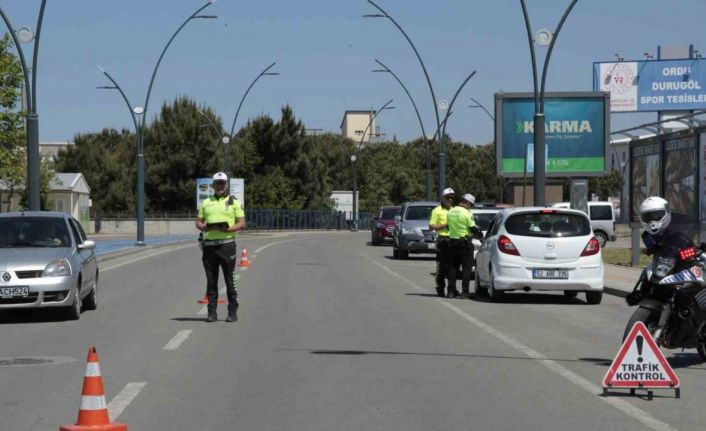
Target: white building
(354, 124)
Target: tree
(13, 156)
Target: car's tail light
(506, 246)
(593, 247)
(688, 253)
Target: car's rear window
(483, 220)
(601, 212)
(549, 225)
(419, 213)
(16, 232)
(389, 213)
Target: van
(602, 216)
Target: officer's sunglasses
(219, 183)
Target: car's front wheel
(480, 290)
(494, 294)
(73, 311)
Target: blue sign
(575, 133)
(653, 85)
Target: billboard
(576, 133)
(343, 201)
(680, 176)
(652, 85)
(645, 174)
(204, 189)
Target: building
(68, 193)
(355, 123)
(49, 151)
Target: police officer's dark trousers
(215, 257)
(443, 259)
(461, 251)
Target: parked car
(46, 262)
(602, 216)
(483, 217)
(384, 225)
(550, 249)
(412, 233)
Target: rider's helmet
(655, 215)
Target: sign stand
(640, 365)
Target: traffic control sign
(640, 364)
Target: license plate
(560, 274)
(432, 246)
(14, 292)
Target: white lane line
(254, 256)
(144, 257)
(245, 268)
(124, 398)
(624, 406)
(276, 243)
(176, 341)
(204, 310)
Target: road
(333, 335)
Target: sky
(325, 52)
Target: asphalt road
(333, 335)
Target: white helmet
(655, 215)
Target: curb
(120, 253)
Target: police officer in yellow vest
(220, 217)
(462, 227)
(438, 223)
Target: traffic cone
(244, 261)
(204, 300)
(93, 413)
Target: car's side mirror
(87, 245)
(398, 218)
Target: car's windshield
(389, 213)
(418, 212)
(18, 232)
(548, 224)
(483, 220)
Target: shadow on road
(686, 360)
(413, 258)
(189, 319)
(31, 316)
(512, 298)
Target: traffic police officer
(220, 217)
(462, 227)
(438, 223)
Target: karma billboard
(652, 85)
(576, 133)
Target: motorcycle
(671, 295)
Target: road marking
(204, 310)
(124, 398)
(144, 257)
(275, 243)
(254, 256)
(245, 268)
(624, 406)
(176, 341)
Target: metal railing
(263, 219)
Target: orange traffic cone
(244, 261)
(93, 413)
(204, 300)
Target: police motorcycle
(671, 295)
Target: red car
(384, 225)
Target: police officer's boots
(232, 315)
(212, 316)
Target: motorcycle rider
(658, 221)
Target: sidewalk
(619, 280)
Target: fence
(261, 219)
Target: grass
(621, 256)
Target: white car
(483, 217)
(551, 249)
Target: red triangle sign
(640, 363)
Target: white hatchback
(540, 249)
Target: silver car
(412, 233)
(46, 261)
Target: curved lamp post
(386, 69)
(451, 105)
(33, 160)
(442, 150)
(265, 72)
(139, 114)
(353, 159)
(543, 38)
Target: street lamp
(543, 38)
(386, 69)
(442, 149)
(353, 159)
(265, 72)
(139, 116)
(32, 122)
(225, 139)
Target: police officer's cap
(220, 176)
(469, 198)
(447, 192)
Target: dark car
(384, 225)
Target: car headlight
(380, 225)
(57, 268)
